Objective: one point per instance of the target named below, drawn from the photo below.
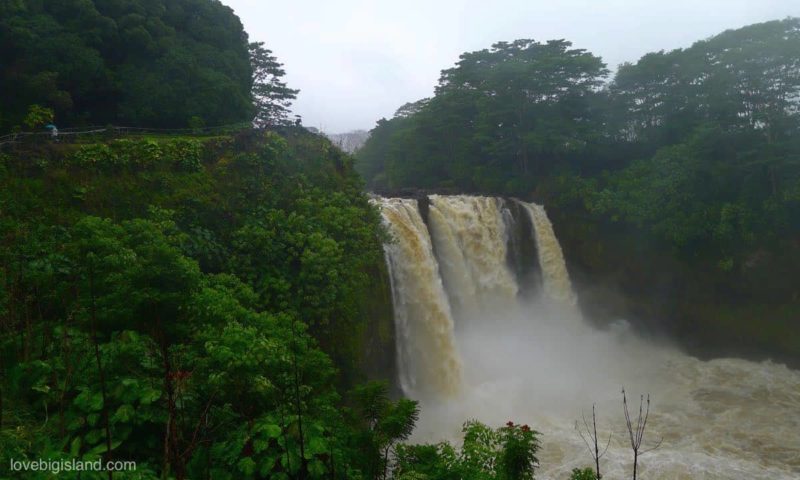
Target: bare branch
(637, 436)
(591, 434)
(607, 444)
(658, 444)
(583, 438)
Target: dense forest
(172, 284)
(690, 155)
(130, 62)
(207, 307)
(216, 305)
(204, 305)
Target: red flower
(526, 428)
(510, 424)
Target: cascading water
(557, 284)
(531, 359)
(470, 238)
(427, 357)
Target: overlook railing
(72, 135)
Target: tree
(636, 431)
(500, 118)
(152, 63)
(271, 97)
(591, 442)
(141, 338)
(37, 117)
(506, 453)
(585, 474)
(383, 423)
(517, 459)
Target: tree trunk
(171, 452)
(303, 472)
(100, 373)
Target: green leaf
(103, 448)
(88, 401)
(247, 466)
(75, 447)
(149, 395)
(270, 430)
(124, 413)
(317, 445)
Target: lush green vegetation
(159, 301)
(271, 96)
(506, 453)
(698, 147)
(214, 306)
(205, 307)
(133, 62)
(693, 153)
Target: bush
(93, 155)
(146, 153)
(139, 153)
(507, 453)
(38, 116)
(585, 474)
(185, 154)
(518, 457)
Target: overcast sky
(356, 61)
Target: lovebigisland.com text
(72, 465)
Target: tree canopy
(686, 162)
(501, 114)
(698, 147)
(153, 63)
(200, 287)
(271, 97)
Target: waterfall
(557, 284)
(523, 259)
(470, 238)
(476, 340)
(454, 272)
(428, 360)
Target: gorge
(480, 335)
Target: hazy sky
(356, 61)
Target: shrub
(518, 457)
(140, 153)
(38, 116)
(185, 154)
(585, 474)
(146, 153)
(93, 155)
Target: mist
(535, 358)
(542, 364)
(355, 61)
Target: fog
(546, 366)
(534, 358)
(356, 61)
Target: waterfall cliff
(455, 269)
(428, 360)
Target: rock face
(752, 312)
(350, 142)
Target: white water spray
(557, 284)
(470, 239)
(538, 362)
(427, 357)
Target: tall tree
(152, 63)
(271, 96)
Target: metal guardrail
(75, 132)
